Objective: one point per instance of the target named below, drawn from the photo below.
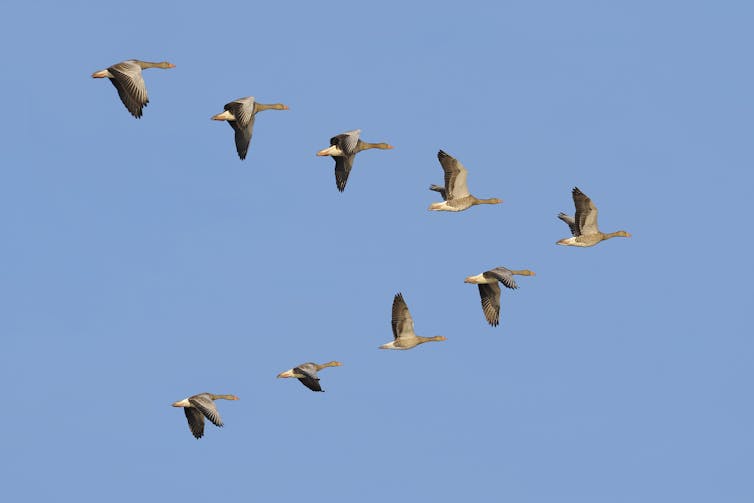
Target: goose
(455, 193)
(584, 226)
(489, 290)
(198, 407)
(307, 373)
(403, 328)
(343, 148)
(240, 115)
(127, 79)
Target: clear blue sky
(142, 262)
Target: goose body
(404, 336)
(343, 148)
(240, 115)
(307, 373)
(584, 226)
(455, 193)
(197, 407)
(489, 289)
(127, 79)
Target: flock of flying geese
(240, 114)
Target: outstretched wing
(455, 176)
(343, 165)
(310, 380)
(503, 275)
(402, 323)
(571, 223)
(441, 190)
(586, 213)
(346, 142)
(490, 295)
(195, 421)
(243, 136)
(130, 84)
(206, 406)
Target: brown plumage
(403, 328)
(343, 148)
(489, 289)
(455, 192)
(307, 373)
(127, 79)
(240, 115)
(197, 407)
(584, 227)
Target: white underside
(332, 151)
(479, 279)
(443, 206)
(225, 116)
(572, 242)
(390, 345)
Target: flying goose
(403, 328)
(343, 148)
(240, 115)
(489, 289)
(455, 193)
(584, 226)
(307, 373)
(198, 407)
(127, 79)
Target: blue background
(142, 262)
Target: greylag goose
(456, 192)
(307, 373)
(198, 407)
(403, 328)
(584, 226)
(240, 115)
(127, 79)
(489, 289)
(343, 148)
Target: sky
(143, 262)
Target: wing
(490, 294)
(310, 379)
(402, 323)
(586, 213)
(455, 176)
(131, 88)
(346, 142)
(243, 136)
(195, 421)
(571, 223)
(242, 109)
(343, 167)
(439, 189)
(503, 275)
(207, 407)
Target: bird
(240, 115)
(455, 192)
(584, 226)
(307, 373)
(127, 79)
(198, 407)
(343, 148)
(403, 328)
(489, 290)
